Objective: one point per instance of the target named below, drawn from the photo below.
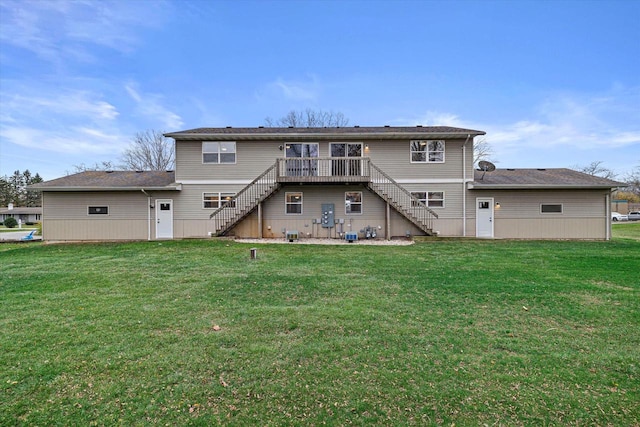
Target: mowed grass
(437, 333)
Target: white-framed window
(301, 159)
(214, 200)
(293, 203)
(219, 152)
(433, 199)
(353, 202)
(551, 208)
(421, 196)
(97, 210)
(427, 151)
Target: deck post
(260, 220)
(387, 222)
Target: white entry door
(164, 219)
(484, 217)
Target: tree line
(13, 189)
(150, 150)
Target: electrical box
(328, 215)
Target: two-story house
(326, 182)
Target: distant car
(615, 216)
(634, 216)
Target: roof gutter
(476, 186)
(177, 187)
(313, 136)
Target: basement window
(551, 208)
(98, 210)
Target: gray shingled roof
(367, 132)
(111, 181)
(539, 178)
(21, 210)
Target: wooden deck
(322, 170)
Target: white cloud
(59, 120)
(58, 30)
(151, 106)
(293, 90)
(72, 141)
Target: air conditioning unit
(291, 235)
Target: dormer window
(223, 152)
(427, 151)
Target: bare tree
(149, 150)
(102, 166)
(596, 168)
(482, 150)
(309, 118)
(633, 181)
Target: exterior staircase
(401, 200)
(231, 212)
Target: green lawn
(440, 332)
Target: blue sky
(553, 83)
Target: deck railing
(242, 204)
(401, 199)
(332, 169)
(323, 169)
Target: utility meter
(328, 215)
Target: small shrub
(29, 223)
(10, 222)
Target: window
(98, 210)
(300, 159)
(219, 152)
(353, 202)
(551, 208)
(425, 151)
(293, 203)
(435, 199)
(215, 200)
(421, 196)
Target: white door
(164, 219)
(484, 217)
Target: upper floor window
(219, 152)
(427, 151)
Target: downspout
(148, 214)
(464, 187)
(608, 213)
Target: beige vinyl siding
(73, 205)
(393, 157)
(519, 216)
(254, 157)
(65, 216)
(275, 219)
(87, 229)
(188, 203)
